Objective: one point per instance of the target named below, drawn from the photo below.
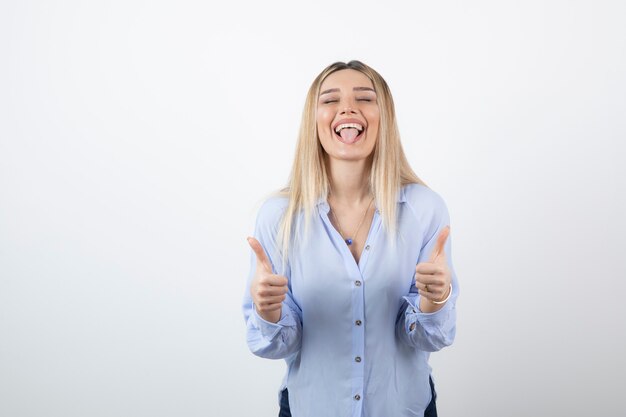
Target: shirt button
(357, 359)
(358, 322)
(367, 247)
(357, 397)
(357, 283)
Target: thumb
(439, 245)
(261, 258)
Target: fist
(433, 278)
(268, 290)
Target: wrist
(445, 298)
(270, 316)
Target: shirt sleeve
(430, 331)
(266, 339)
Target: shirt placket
(355, 272)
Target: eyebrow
(336, 90)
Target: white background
(137, 139)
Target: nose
(348, 110)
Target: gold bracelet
(447, 298)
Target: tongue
(349, 134)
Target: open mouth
(349, 132)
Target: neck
(349, 181)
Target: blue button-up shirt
(352, 334)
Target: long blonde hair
(308, 181)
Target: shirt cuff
(427, 320)
(268, 329)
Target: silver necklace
(349, 240)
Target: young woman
(351, 280)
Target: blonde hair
(308, 181)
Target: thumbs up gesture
(433, 278)
(267, 289)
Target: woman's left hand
(433, 278)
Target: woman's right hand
(267, 289)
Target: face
(347, 115)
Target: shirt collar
(323, 204)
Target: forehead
(346, 79)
